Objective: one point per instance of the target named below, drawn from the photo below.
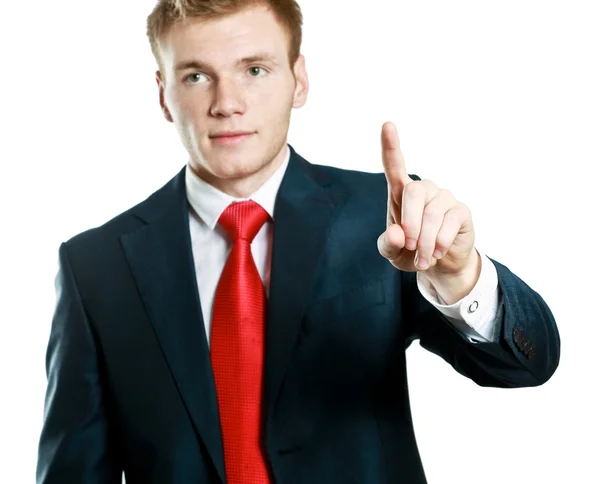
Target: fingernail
(437, 254)
(422, 263)
(411, 244)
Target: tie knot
(243, 220)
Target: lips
(230, 138)
(229, 134)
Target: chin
(236, 169)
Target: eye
(254, 68)
(193, 78)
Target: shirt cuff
(475, 314)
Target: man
(247, 323)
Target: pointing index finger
(393, 160)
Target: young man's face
(207, 89)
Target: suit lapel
(305, 208)
(161, 260)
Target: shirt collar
(209, 202)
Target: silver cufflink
(473, 307)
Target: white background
(496, 101)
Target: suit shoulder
(124, 222)
(358, 182)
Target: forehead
(224, 40)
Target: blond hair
(168, 12)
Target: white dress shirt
(211, 246)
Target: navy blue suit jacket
(130, 384)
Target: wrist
(453, 287)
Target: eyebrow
(198, 64)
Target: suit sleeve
(524, 353)
(75, 444)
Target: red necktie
(237, 347)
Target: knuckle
(411, 230)
(455, 214)
(445, 194)
(413, 189)
(460, 214)
(433, 212)
(429, 183)
(442, 246)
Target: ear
(301, 91)
(161, 96)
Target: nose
(229, 98)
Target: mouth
(230, 138)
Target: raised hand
(427, 228)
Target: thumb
(391, 242)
